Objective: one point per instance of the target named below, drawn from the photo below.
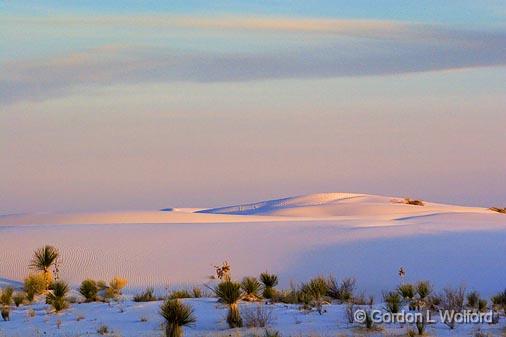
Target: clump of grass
(415, 202)
(197, 292)
(498, 209)
(180, 293)
(250, 286)
(176, 315)
(270, 281)
(272, 333)
(146, 296)
(89, 290)
(499, 301)
(57, 296)
(408, 292)
(34, 284)
(42, 261)
(229, 292)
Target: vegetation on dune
(34, 284)
(43, 259)
(498, 209)
(269, 281)
(250, 286)
(89, 290)
(57, 296)
(415, 202)
(229, 293)
(5, 301)
(315, 291)
(147, 295)
(342, 291)
(176, 315)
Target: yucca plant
(57, 296)
(42, 260)
(392, 301)
(269, 281)
(89, 290)
(229, 292)
(176, 315)
(251, 287)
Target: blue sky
(182, 103)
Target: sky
(108, 105)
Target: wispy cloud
(350, 48)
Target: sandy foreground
(365, 236)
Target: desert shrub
(251, 287)
(146, 296)
(269, 281)
(392, 301)
(258, 316)
(423, 289)
(452, 301)
(180, 293)
(116, 285)
(408, 292)
(197, 292)
(229, 292)
(473, 300)
(316, 289)
(57, 296)
(498, 209)
(34, 284)
(18, 298)
(272, 333)
(499, 301)
(176, 315)
(103, 330)
(89, 290)
(342, 291)
(6, 312)
(42, 261)
(409, 201)
(6, 296)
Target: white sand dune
(361, 235)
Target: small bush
(453, 300)
(181, 293)
(270, 281)
(259, 316)
(114, 290)
(57, 296)
(34, 284)
(272, 333)
(89, 290)
(498, 209)
(18, 298)
(251, 287)
(176, 315)
(414, 202)
(197, 292)
(316, 289)
(473, 300)
(342, 291)
(392, 301)
(103, 330)
(423, 289)
(147, 296)
(6, 313)
(499, 301)
(6, 296)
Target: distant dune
(362, 235)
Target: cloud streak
(350, 48)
